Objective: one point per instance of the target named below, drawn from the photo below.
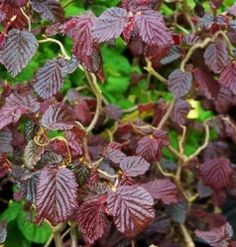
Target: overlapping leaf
(162, 189)
(113, 153)
(49, 9)
(152, 29)
(131, 208)
(17, 3)
(58, 117)
(56, 195)
(217, 237)
(228, 77)
(216, 173)
(15, 106)
(180, 112)
(18, 50)
(134, 165)
(109, 25)
(216, 56)
(5, 141)
(50, 78)
(180, 83)
(92, 220)
(32, 154)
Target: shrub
(127, 136)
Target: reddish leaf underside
(56, 195)
(131, 208)
(92, 220)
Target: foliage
(117, 122)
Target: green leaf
(11, 213)
(37, 234)
(117, 85)
(114, 63)
(14, 236)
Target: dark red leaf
(152, 28)
(18, 50)
(56, 195)
(216, 173)
(17, 3)
(178, 211)
(13, 16)
(92, 220)
(207, 83)
(75, 140)
(162, 189)
(180, 112)
(131, 208)
(134, 165)
(180, 83)
(148, 148)
(216, 56)
(15, 106)
(113, 111)
(113, 153)
(50, 78)
(5, 141)
(109, 25)
(58, 117)
(49, 9)
(228, 77)
(217, 237)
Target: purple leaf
(162, 189)
(5, 141)
(134, 165)
(180, 112)
(50, 78)
(216, 56)
(152, 29)
(109, 25)
(18, 50)
(228, 77)
(49, 9)
(58, 117)
(179, 83)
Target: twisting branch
(203, 45)
(57, 230)
(151, 71)
(74, 235)
(187, 238)
(27, 17)
(98, 93)
(167, 114)
(205, 144)
(63, 51)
